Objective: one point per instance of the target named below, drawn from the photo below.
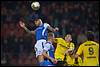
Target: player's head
(90, 35)
(68, 38)
(37, 22)
(51, 36)
(36, 19)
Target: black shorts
(60, 63)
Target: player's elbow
(44, 54)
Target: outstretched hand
(22, 24)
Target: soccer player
(48, 51)
(41, 35)
(89, 50)
(62, 46)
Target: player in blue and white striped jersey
(48, 51)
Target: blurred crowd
(74, 17)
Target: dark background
(74, 17)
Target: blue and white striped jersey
(49, 48)
(41, 31)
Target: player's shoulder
(46, 24)
(95, 43)
(59, 38)
(89, 42)
(48, 43)
(84, 43)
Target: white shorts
(39, 46)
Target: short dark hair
(90, 35)
(50, 34)
(35, 16)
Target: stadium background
(75, 17)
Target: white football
(35, 5)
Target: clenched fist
(56, 29)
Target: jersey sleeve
(79, 61)
(45, 27)
(46, 47)
(79, 52)
(60, 41)
(63, 42)
(72, 46)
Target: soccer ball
(35, 5)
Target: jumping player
(41, 35)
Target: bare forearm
(27, 30)
(51, 29)
(45, 55)
(70, 49)
(76, 55)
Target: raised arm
(53, 29)
(22, 24)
